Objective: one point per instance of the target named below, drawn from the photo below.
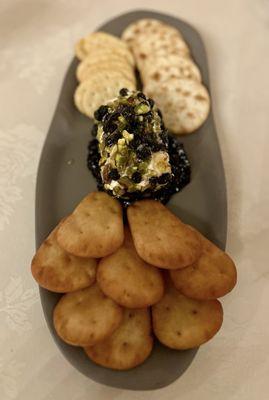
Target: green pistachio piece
(120, 160)
(141, 109)
(125, 181)
(142, 167)
(127, 136)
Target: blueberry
(136, 142)
(113, 174)
(159, 113)
(124, 92)
(94, 130)
(100, 113)
(136, 177)
(112, 139)
(143, 152)
(151, 102)
(155, 147)
(109, 126)
(153, 180)
(141, 95)
(164, 178)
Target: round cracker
(78, 97)
(162, 45)
(182, 323)
(101, 88)
(128, 346)
(146, 26)
(127, 279)
(160, 238)
(85, 70)
(213, 275)
(184, 103)
(161, 69)
(102, 43)
(80, 50)
(105, 41)
(86, 317)
(56, 270)
(94, 229)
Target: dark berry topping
(164, 178)
(112, 139)
(151, 102)
(100, 113)
(136, 177)
(113, 174)
(141, 95)
(159, 113)
(124, 92)
(94, 130)
(143, 152)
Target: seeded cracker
(184, 103)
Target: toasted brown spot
(200, 97)
(178, 333)
(156, 76)
(167, 308)
(194, 312)
(143, 56)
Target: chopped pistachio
(121, 141)
(142, 108)
(127, 136)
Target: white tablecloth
(36, 45)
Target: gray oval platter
(63, 179)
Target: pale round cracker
(56, 270)
(127, 279)
(78, 97)
(160, 238)
(94, 229)
(104, 40)
(185, 103)
(101, 88)
(160, 46)
(161, 69)
(213, 275)
(85, 69)
(128, 346)
(146, 26)
(86, 317)
(182, 323)
(80, 50)
(101, 43)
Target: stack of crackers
(169, 74)
(106, 66)
(120, 283)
